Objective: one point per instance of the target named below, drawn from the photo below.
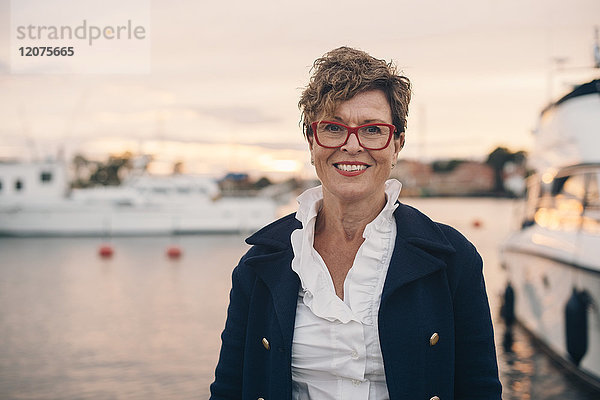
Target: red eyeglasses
(370, 136)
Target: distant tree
(520, 157)
(111, 172)
(293, 183)
(446, 165)
(178, 168)
(81, 165)
(497, 159)
(105, 175)
(80, 161)
(262, 183)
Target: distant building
(233, 183)
(415, 177)
(468, 178)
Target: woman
(357, 296)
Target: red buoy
(477, 223)
(173, 252)
(105, 251)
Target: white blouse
(335, 351)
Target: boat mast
(596, 50)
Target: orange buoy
(105, 251)
(477, 223)
(173, 252)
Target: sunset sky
(225, 78)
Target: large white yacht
(553, 261)
(35, 201)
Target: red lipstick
(348, 168)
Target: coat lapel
(274, 269)
(420, 249)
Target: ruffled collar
(317, 287)
(310, 201)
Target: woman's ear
(310, 139)
(398, 144)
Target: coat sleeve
(476, 368)
(228, 373)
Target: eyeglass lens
(373, 136)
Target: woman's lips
(350, 168)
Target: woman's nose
(352, 145)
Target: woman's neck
(347, 219)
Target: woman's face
(370, 168)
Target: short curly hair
(342, 73)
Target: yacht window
(18, 185)
(0, 186)
(533, 194)
(46, 176)
(574, 187)
(569, 201)
(558, 184)
(592, 198)
(591, 214)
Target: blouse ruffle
(361, 297)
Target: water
(142, 326)
(137, 326)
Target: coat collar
(420, 249)
(413, 227)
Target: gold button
(432, 342)
(265, 343)
(434, 398)
(260, 398)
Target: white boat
(35, 201)
(553, 261)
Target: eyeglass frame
(353, 130)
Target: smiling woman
(350, 158)
(357, 296)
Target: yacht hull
(544, 272)
(73, 219)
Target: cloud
(238, 115)
(173, 138)
(279, 145)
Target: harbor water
(139, 325)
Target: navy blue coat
(434, 285)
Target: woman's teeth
(351, 167)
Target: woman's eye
(333, 128)
(373, 129)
